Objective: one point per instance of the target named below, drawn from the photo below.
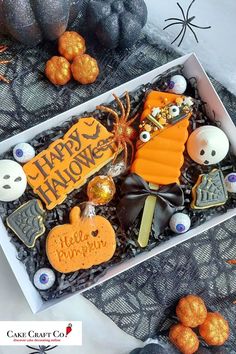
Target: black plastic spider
(42, 349)
(186, 23)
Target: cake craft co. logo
(41, 333)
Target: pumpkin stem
(75, 215)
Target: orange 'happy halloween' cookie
(81, 244)
(68, 162)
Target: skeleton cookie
(13, 181)
(208, 145)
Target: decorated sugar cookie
(27, 222)
(68, 162)
(209, 190)
(81, 244)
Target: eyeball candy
(177, 84)
(44, 278)
(180, 223)
(230, 182)
(13, 180)
(23, 152)
(145, 136)
(208, 145)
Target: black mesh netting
(141, 301)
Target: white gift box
(192, 68)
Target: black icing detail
(6, 177)
(95, 135)
(94, 233)
(213, 153)
(6, 186)
(18, 179)
(206, 162)
(89, 124)
(202, 152)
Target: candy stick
(148, 213)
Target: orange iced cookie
(68, 162)
(163, 134)
(81, 244)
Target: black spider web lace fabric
(141, 301)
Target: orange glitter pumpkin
(71, 44)
(184, 339)
(85, 69)
(58, 71)
(215, 329)
(191, 311)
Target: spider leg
(183, 35)
(2, 78)
(109, 110)
(3, 48)
(120, 104)
(127, 106)
(193, 33)
(132, 150)
(176, 38)
(5, 61)
(117, 152)
(133, 119)
(173, 18)
(174, 23)
(126, 154)
(105, 145)
(231, 261)
(52, 348)
(181, 9)
(191, 4)
(207, 27)
(28, 346)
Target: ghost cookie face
(208, 145)
(13, 181)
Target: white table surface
(100, 334)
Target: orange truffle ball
(191, 311)
(58, 71)
(71, 44)
(85, 69)
(215, 329)
(184, 339)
